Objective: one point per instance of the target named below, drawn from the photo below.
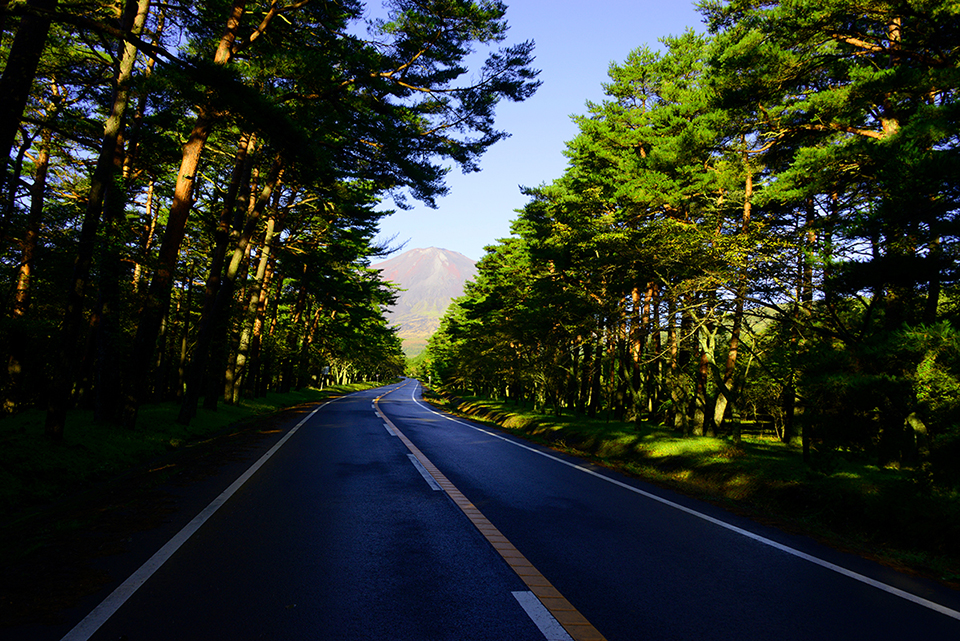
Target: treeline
(757, 226)
(187, 207)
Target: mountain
(431, 278)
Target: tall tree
(856, 101)
(375, 116)
(20, 70)
(104, 176)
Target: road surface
(377, 517)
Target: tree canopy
(757, 227)
(190, 191)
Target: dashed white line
(432, 482)
(543, 613)
(541, 617)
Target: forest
(756, 231)
(190, 191)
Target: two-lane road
(343, 533)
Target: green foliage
(757, 230)
(295, 122)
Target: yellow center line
(562, 610)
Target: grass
(35, 472)
(896, 516)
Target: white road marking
(389, 430)
(427, 476)
(541, 617)
(99, 615)
(889, 589)
(524, 569)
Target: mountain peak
(431, 278)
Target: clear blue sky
(575, 43)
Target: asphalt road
(342, 534)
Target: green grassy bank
(897, 516)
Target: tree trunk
(161, 365)
(31, 237)
(934, 282)
(158, 297)
(676, 416)
(184, 351)
(804, 312)
(573, 376)
(19, 351)
(705, 346)
(129, 165)
(727, 386)
(107, 375)
(107, 366)
(231, 337)
(655, 369)
(255, 382)
(788, 398)
(288, 369)
(152, 214)
(308, 337)
(271, 377)
(232, 275)
(252, 307)
(645, 390)
(9, 188)
(103, 178)
(586, 365)
(636, 339)
(20, 71)
(619, 354)
(212, 310)
(596, 373)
